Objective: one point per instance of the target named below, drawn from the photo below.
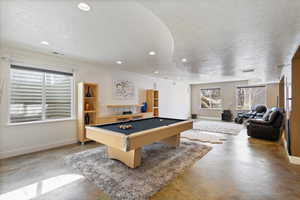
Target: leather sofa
(269, 127)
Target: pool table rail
(147, 137)
(107, 137)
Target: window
(247, 97)
(38, 95)
(211, 98)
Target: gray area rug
(203, 136)
(218, 127)
(160, 164)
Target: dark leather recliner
(269, 127)
(257, 111)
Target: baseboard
(294, 160)
(22, 151)
(209, 118)
(285, 146)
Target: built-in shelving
(123, 106)
(87, 107)
(152, 98)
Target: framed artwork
(123, 89)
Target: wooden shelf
(118, 118)
(90, 111)
(123, 106)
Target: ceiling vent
(57, 53)
(248, 70)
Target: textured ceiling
(219, 38)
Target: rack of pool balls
(125, 126)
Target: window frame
(220, 98)
(247, 86)
(44, 120)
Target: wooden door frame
(281, 102)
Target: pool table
(125, 145)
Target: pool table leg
(131, 158)
(173, 141)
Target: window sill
(40, 122)
(245, 110)
(218, 109)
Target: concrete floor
(241, 168)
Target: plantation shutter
(38, 94)
(26, 97)
(58, 96)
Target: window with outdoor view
(249, 96)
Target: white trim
(242, 110)
(41, 121)
(285, 146)
(209, 118)
(22, 151)
(45, 66)
(219, 82)
(294, 160)
(251, 85)
(272, 82)
(217, 109)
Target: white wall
(20, 139)
(228, 96)
(272, 94)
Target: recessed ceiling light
(84, 6)
(44, 42)
(119, 62)
(152, 53)
(156, 72)
(183, 60)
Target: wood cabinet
(87, 108)
(152, 99)
(295, 112)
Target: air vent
(248, 70)
(57, 53)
